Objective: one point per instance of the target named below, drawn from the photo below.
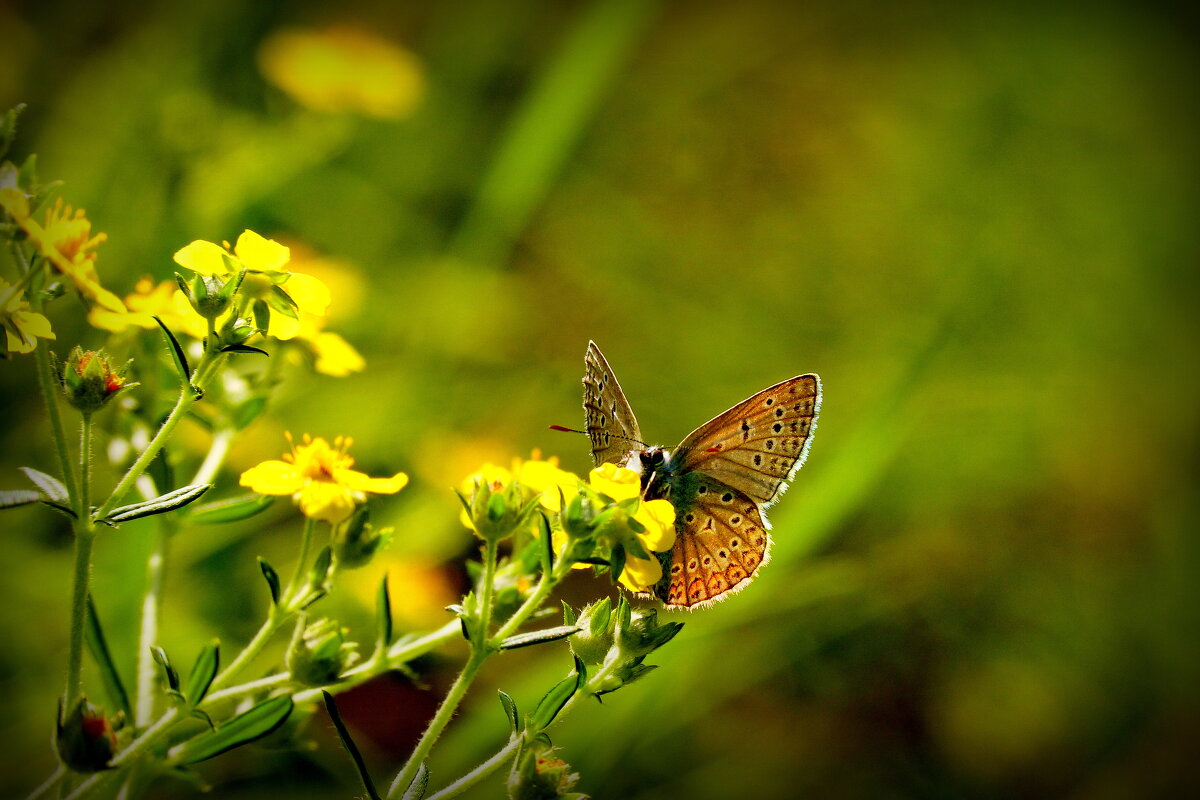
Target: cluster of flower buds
(542, 775)
(613, 642)
(356, 541)
(319, 653)
(89, 379)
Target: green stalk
(293, 585)
(151, 606)
(47, 383)
(251, 650)
(85, 536)
(484, 770)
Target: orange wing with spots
(721, 542)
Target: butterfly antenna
(565, 429)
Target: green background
(977, 222)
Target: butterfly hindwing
(721, 541)
(610, 422)
(756, 446)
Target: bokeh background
(977, 222)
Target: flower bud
(85, 738)
(89, 379)
(614, 643)
(497, 509)
(319, 653)
(595, 637)
(357, 541)
(541, 775)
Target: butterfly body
(720, 478)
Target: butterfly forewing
(721, 541)
(756, 446)
(610, 422)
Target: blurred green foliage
(977, 222)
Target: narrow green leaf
(272, 579)
(51, 487)
(248, 411)
(383, 615)
(351, 748)
(539, 637)
(242, 729)
(547, 541)
(243, 348)
(262, 314)
(420, 782)
(557, 697)
(569, 615)
(159, 505)
(181, 362)
(160, 656)
(70, 512)
(203, 672)
(284, 303)
(118, 698)
(616, 563)
(13, 498)
(231, 509)
(231, 286)
(318, 577)
(510, 710)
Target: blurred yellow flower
(266, 278)
(164, 301)
(22, 327)
(343, 69)
(319, 479)
(66, 240)
(330, 353)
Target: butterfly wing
(610, 422)
(721, 541)
(756, 447)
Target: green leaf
(243, 348)
(318, 577)
(351, 747)
(547, 541)
(539, 637)
(203, 672)
(510, 710)
(272, 579)
(616, 562)
(51, 487)
(557, 697)
(383, 615)
(282, 302)
(113, 686)
(181, 362)
(12, 498)
(70, 512)
(569, 615)
(420, 782)
(160, 656)
(231, 509)
(262, 315)
(248, 411)
(159, 505)
(231, 286)
(242, 729)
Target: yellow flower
(343, 69)
(534, 477)
(266, 278)
(657, 517)
(66, 240)
(319, 479)
(22, 327)
(331, 354)
(164, 301)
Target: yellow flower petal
(327, 502)
(361, 482)
(619, 483)
(259, 253)
(335, 356)
(641, 574)
(203, 257)
(310, 294)
(658, 518)
(273, 477)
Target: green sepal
(383, 617)
(284, 303)
(510, 711)
(262, 314)
(231, 286)
(203, 672)
(232, 509)
(98, 645)
(351, 748)
(164, 661)
(181, 362)
(539, 637)
(242, 729)
(50, 486)
(14, 498)
(569, 614)
(272, 579)
(616, 562)
(159, 505)
(318, 578)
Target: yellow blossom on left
(319, 479)
(149, 300)
(66, 240)
(22, 327)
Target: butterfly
(720, 479)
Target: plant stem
(151, 606)
(482, 772)
(187, 398)
(293, 585)
(272, 624)
(85, 536)
(57, 433)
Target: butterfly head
(651, 463)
